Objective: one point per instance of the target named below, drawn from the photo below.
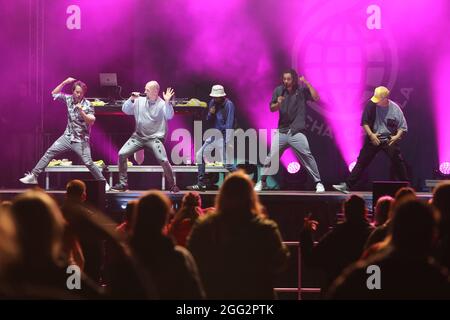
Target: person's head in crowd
(441, 200)
(191, 199)
(414, 228)
(402, 195)
(150, 214)
(382, 208)
(40, 227)
(191, 207)
(405, 194)
(237, 198)
(9, 251)
(6, 204)
(355, 209)
(76, 191)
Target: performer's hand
(168, 94)
(393, 140)
(69, 80)
(374, 139)
(303, 80)
(134, 95)
(280, 99)
(78, 107)
(212, 110)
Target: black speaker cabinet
(386, 188)
(96, 193)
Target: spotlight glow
(293, 167)
(444, 168)
(441, 110)
(351, 166)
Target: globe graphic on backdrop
(345, 61)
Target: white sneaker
(29, 179)
(320, 188)
(107, 187)
(342, 187)
(260, 186)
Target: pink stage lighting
(351, 166)
(293, 167)
(444, 168)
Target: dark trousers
(209, 145)
(366, 155)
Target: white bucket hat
(217, 91)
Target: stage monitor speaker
(96, 193)
(386, 188)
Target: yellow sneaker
(100, 163)
(65, 162)
(54, 163)
(196, 103)
(98, 103)
(192, 103)
(129, 163)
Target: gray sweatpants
(63, 144)
(298, 142)
(135, 144)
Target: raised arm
(314, 94)
(59, 87)
(168, 108)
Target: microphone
(138, 94)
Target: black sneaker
(197, 187)
(342, 187)
(119, 187)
